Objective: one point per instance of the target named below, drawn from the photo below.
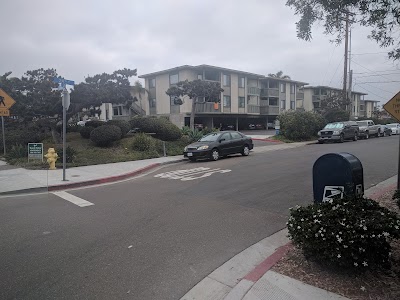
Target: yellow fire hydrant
(51, 158)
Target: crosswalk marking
(73, 199)
(191, 174)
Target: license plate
(190, 154)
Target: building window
(273, 84)
(361, 107)
(283, 87)
(173, 78)
(316, 104)
(200, 76)
(152, 102)
(292, 105)
(117, 110)
(316, 92)
(324, 92)
(241, 82)
(292, 88)
(273, 101)
(283, 104)
(152, 83)
(227, 80)
(227, 101)
(241, 102)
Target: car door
(225, 144)
(237, 142)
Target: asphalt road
(154, 237)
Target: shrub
(71, 153)
(195, 135)
(123, 125)
(17, 151)
(300, 125)
(349, 233)
(143, 142)
(185, 130)
(162, 128)
(396, 197)
(105, 135)
(95, 123)
(85, 132)
(21, 137)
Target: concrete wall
(308, 105)
(162, 99)
(234, 93)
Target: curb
(66, 186)
(219, 285)
(268, 140)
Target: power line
(368, 69)
(340, 62)
(371, 92)
(390, 81)
(375, 87)
(377, 75)
(329, 63)
(382, 71)
(368, 53)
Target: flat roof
(203, 66)
(330, 88)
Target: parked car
(368, 128)
(227, 127)
(339, 131)
(394, 127)
(384, 130)
(219, 144)
(252, 126)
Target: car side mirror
(221, 140)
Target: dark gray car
(338, 132)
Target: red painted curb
(268, 140)
(101, 180)
(379, 193)
(268, 263)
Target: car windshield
(362, 123)
(212, 137)
(334, 125)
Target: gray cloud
(90, 37)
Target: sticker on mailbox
(331, 192)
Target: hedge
(162, 128)
(105, 135)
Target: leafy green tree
(194, 90)
(102, 88)
(334, 108)
(279, 74)
(382, 16)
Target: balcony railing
(299, 96)
(269, 110)
(207, 107)
(269, 92)
(253, 91)
(253, 109)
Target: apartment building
(248, 98)
(367, 108)
(315, 95)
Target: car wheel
(384, 134)
(245, 150)
(192, 159)
(215, 154)
(378, 134)
(341, 138)
(367, 135)
(320, 142)
(355, 138)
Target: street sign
(393, 106)
(5, 102)
(63, 82)
(35, 151)
(4, 113)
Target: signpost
(5, 103)
(62, 83)
(35, 151)
(393, 108)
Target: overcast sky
(86, 37)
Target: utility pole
(346, 51)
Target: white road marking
(191, 174)
(73, 199)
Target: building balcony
(269, 92)
(253, 109)
(300, 96)
(207, 107)
(269, 110)
(253, 91)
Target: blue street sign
(63, 82)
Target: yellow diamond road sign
(393, 106)
(5, 103)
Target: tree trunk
(192, 114)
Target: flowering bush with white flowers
(349, 233)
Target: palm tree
(280, 75)
(138, 90)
